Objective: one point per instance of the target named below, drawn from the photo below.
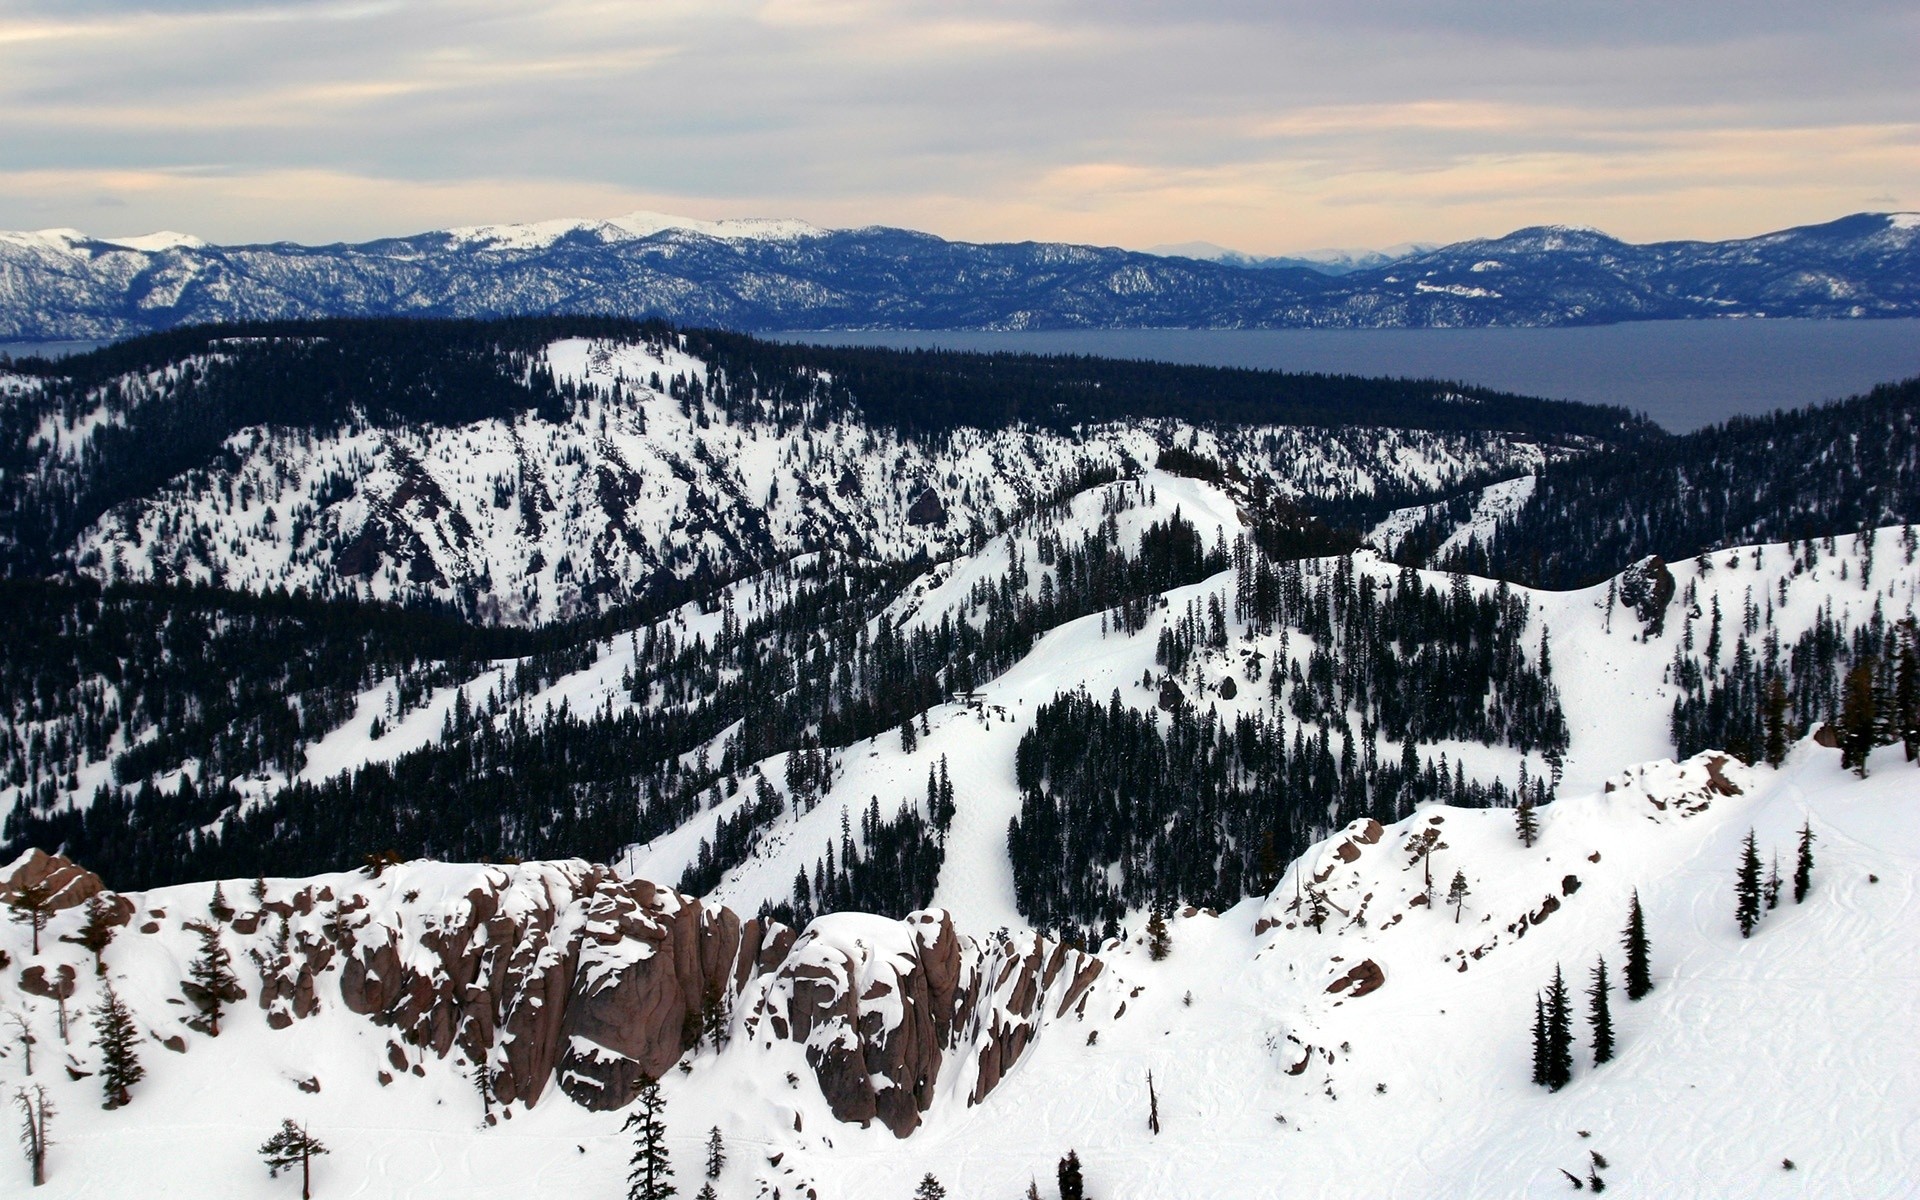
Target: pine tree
(1639, 972)
(1317, 911)
(1746, 888)
(1773, 715)
(1159, 941)
(1526, 823)
(218, 908)
(1905, 718)
(115, 1035)
(1072, 1187)
(1458, 893)
(1600, 1014)
(1559, 1070)
(211, 984)
(650, 1174)
(1539, 1040)
(36, 1123)
(1859, 720)
(32, 906)
(909, 738)
(292, 1146)
(98, 931)
(929, 1189)
(1153, 1105)
(1803, 865)
(716, 1153)
(706, 1191)
(1770, 890)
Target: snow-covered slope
(530, 519)
(1274, 1070)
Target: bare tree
(36, 1120)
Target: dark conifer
(1774, 720)
(930, 1188)
(1803, 864)
(97, 931)
(1746, 887)
(1159, 941)
(716, 1153)
(32, 906)
(1526, 823)
(1539, 1040)
(1600, 1014)
(1559, 1006)
(1859, 719)
(292, 1146)
(116, 1036)
(1639, 971)
(1457, 894)
(1770, 890)
(1072, 1186)
(649, 1174)
(211, 984)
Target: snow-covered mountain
(648, 472)
(895, 700)
(1384, 1053)
(781, 274)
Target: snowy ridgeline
(536, 519)
(1363, 1031)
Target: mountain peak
(633, 226)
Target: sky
(1268, 127)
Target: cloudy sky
(1266, 126)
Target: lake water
(1683, 374)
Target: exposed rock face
(564, 972)
(883, 1006)
(540, 971)
(67, 882)
(1647, 588)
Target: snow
(1792, 1045)
(538, 235)
(153, 243)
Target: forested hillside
(1842, 467)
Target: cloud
(1265, 125)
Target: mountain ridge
(780, 275)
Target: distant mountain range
(1331, 261)
(787, 275)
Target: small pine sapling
(1746, 887)
(1153, 1106)
(116, 1037)
(1072, 1186)
(218, 908)
(1600, 1014)
(1458, 893)
(1803, 864)
(97, 932)
(716, 1153)
(930, 1188)
(1639, 971)
(32, 906)
(1526, 824)
(211, 984)
(1770, 890)
(292, 1147)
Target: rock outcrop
(67, 883)
(893, 1013)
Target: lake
(1683, 374)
